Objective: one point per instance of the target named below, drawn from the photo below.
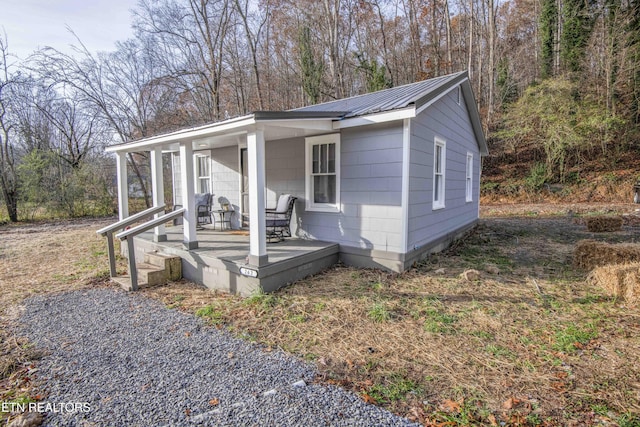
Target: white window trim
(439, 204)
(333, 138)
(468, 181)
(198, 178)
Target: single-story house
(381, 179)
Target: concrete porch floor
(217, 261)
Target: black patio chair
(278, 220)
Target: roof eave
(183, 135)
(474, 116)
(461, 79)
(408, 112)
(445, 86)
(234, 124)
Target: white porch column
(157, 188)
(188, 195)
(257, 229)
(123, 185)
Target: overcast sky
(33, 24)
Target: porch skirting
(371, 258)
(218, 273)
(220, 259)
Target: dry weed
(534, 342)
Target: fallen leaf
(559, 386)
(492, 420)
(214, 402)
(368, 399)
(416, 414)
(507, 383)
(187, 412)
(511, 403)
(451, 406)
(187, 334)
(561, 375)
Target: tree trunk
(447, 21)
(491, 65)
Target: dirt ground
(528, 342)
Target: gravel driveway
(116, 359)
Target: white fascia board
(311, 124)
(184, 135)
(369, 119)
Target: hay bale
(599, 224)
(589, 254)
(619, 280)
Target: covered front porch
(238, 261)
(220, 261)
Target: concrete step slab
(170, 263)
(151, 274)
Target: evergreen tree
(548, 30)
(633, 44)
(577, 26)
(310, 68)
(375, 75)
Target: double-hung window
(469, 179)
(203, 174)
(323, 173)
(439, 169)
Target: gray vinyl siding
(450, 122)
(177, 179)
(225, 179)
(370, 193)
(284, 171)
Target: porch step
(157, 269)
(151, 274)
(172, 265)
(125, 282)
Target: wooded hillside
(559, 79)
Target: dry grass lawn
(530, 342)
(34, 259)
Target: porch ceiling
(275, 125)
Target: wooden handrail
(109, 230)
(149, 224)
(130, 220)
(129, 234)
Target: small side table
(223, 217)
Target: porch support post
(257, 229)
(188, 195)
(157, 188)
(123, 185)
